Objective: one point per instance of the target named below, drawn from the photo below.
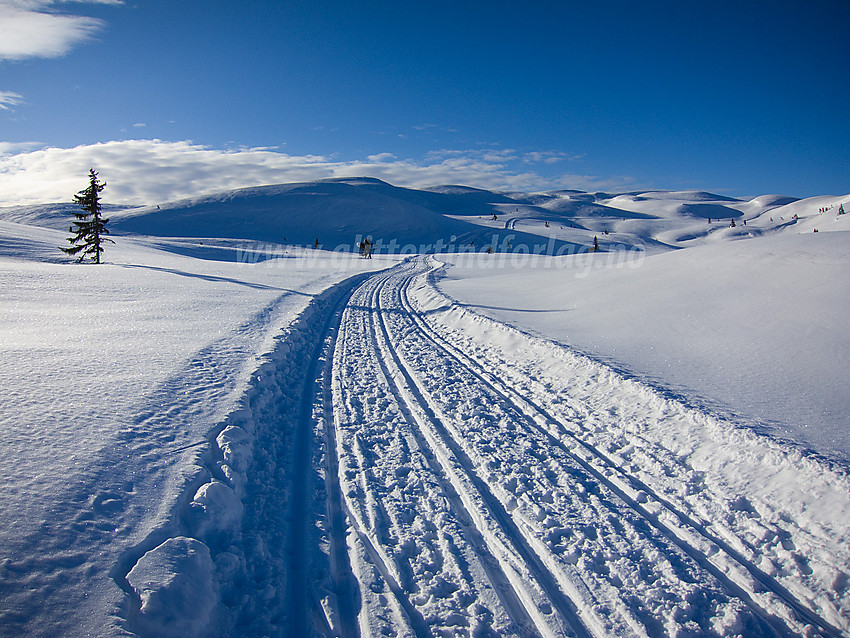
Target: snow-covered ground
(753, 328)
(115, 378)
(219, 433)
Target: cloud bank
(149, 171)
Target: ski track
(730, 555)
(689, 575)
(392, 472)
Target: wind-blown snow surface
(754, 327)
(194, 446)
(114, 380)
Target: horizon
(610, 97)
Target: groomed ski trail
(402, 466)
(475, 508)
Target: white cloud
(29, 29)
(549, 157)
(150, 171)
(9, 99)
(10, 148)
(381, 157)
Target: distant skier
(316, 244)
(367, 249)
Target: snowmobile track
(457, 468)
(597, 464)
(374, 389)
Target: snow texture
(220, 433)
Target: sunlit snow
(238, 426)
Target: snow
(750, 327)
(111, 374)
(174, 584)
(219, 432)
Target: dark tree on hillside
(90, 225)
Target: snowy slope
(114, 379)
(337, 212)
(753, 327)
(221, 433)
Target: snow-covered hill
(456, 218)
(171, 417)
(337, 212)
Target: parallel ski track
(340, 507)
(500, 541)
(502, 575)
(508, 542)
(555, 429)
(503, 584)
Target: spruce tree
(90, 225)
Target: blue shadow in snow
(213, 278)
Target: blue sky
(742, 98)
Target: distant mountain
(454, 218)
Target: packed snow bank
(753, 327)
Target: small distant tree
(595, 244)
(88, 237)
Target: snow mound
(690, 196)
(57, 216)
(217, 508)
(772, 201)
(455, 189)
(175, 584)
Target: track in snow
(456, 505)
